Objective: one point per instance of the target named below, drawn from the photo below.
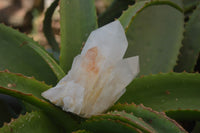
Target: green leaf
(20, 54)
(24, 84)
(176, 2)
(27, 107)
(78, 19)
(191, 44)
(129, 15)
(21, 83)
(159, 121)
(174, 93)
(34, 122)
(127, 118)
(49, 60)
(108, 123)
(131, 119)
(190, 4)
(139, 118)
(154, 32)
(109, 126)
(114, 11)
(47, 28)
(65, 120)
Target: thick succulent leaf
(34, 122)
(159, 121)
(114, 11)
(127, 118)
(178, 2)
(129, 15)
(132, 11)
(27, 107)
(60, 117)
(47, 28)
(21, 54)
(155, 34)
(140, 118)
(174, 93)
(191, 44)
(190, 4)
(109, 126)
(50, 61)
(23, 84)
(115, 123)
(78, 19)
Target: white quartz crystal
(98, 76)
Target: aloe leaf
(65, 120)
(190, 4)
(47, 28)
(109, 126)
(27, 107)
(112, 123)
(21, 54)
(49, 60)
(153, 34)
(132, 120)
(21, 83)
(78, 19)
(191, 44)
(24, 84)
(174, 93)
(34, 122)
(114, 11)
(129, 15)
(159, 121)
(176, 2)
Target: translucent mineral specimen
(98, 76)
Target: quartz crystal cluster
(98, 76)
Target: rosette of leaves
(156, 31)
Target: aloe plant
(164, 94)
